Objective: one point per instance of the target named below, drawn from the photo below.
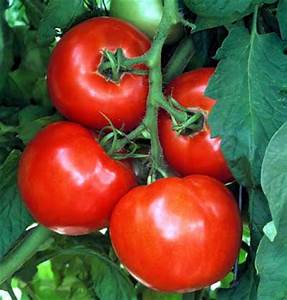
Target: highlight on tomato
(88, 94)
(196, 153)
(67, 181)
(177, 234)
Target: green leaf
(105, 279)
(248, 84)
(33, 66)
(40, 93)
(8, 115)
(33, 118)
(34, 57)
(16, 14)
(271, 260)
(19, 86)
(282, 19)
(34, 10)
(274, 179)
(73, 285)
(234, 10)
(259, 215)
(14, 217)
(6, 39)
(109, 282)
(203, 23)
(59, 14)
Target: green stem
(16, 259)
(129, 137)
(179, 60)
(180, 116)
(155, 98)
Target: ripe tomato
(145, 15)
(80, 92)
(197, 153)
(68, 182)
(177, 234)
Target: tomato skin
(177, 234)
(145, 15)
(199, 153)
(68, 182)
(77, 89)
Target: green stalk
(156, 98)
(169, 18)
(16, 259)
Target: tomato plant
(77, 88)
(80, 63)
(192, 238)
(63, 189)
(196, 153)
(145, 15)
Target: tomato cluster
(176, 234)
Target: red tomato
(80, 92)
(177, 234)
(198, 153)
(68, 182)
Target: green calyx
(113, 66)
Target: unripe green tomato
(145, 15)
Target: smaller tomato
(68, 182)
(198, 153)
(177, 234)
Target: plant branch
(156, 100)
(16, 259)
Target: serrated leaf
(59, 14)
(282, 18)
(14, 217)
(251, 106)
(274, 179)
